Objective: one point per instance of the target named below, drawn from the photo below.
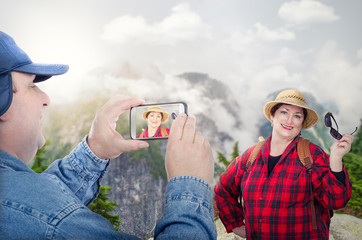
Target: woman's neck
(152, 131)
(278, 145)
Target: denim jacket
(52, 205)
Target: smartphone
(153, 121)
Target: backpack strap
(254, 154)
(304, 153)
(306, 159)
(163, 131)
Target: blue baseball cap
(12, 58)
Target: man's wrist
(92, 148)
(90, 151)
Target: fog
(140, 47)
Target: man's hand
(338, 150)
(188, 153)
(103, 139)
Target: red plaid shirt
(157, 133)
(278, 206)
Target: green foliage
(223, 160)
(235, 152)
(39, 162)
(103, 207)
(353, 163)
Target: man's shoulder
(41, 196)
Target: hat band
(291, 96)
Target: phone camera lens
(173, 115)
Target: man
(52, 205)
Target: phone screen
(153, 121)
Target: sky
(255, 47)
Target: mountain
(138, 179)
(220, 113)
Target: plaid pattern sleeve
(329, 192)
(227, 194)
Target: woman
(154, 117)
(275, 189)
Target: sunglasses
(328, 123)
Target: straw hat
(155, 109)
(293, 97)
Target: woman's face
(154, 119)
(287, 121)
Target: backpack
(305, 158)
(163, 132)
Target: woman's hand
(338, 150)
(240, 231)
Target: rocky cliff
(138, 192)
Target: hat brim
(164, 118)
(42, 71)
(312, 116)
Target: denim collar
(9, 161)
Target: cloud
(263, 33)
(259, 33)
(336, 78)
(359, 54)
(287, 57)
(181, 25)
(307, 12)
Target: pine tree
(223, 160)
(103, 207)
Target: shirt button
(261, 198)
(260, 220)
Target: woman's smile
(287, 127)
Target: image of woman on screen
(154, 117)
